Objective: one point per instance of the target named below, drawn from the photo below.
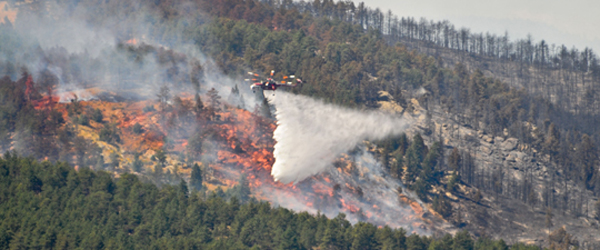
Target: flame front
(348, 188)
(244, 145)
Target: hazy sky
(572, 23)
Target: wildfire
(45, 102)
(244, 145)
(132, 41)
(7, 12)
(249, 150)
(350, 207)
(69, 96)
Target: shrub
(83, 120)
(97, 115)
(137, 128)
(149, 108)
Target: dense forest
(52, 206)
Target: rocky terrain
(514, 180)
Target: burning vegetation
(163, 139)
(129, 110)
(109, 89)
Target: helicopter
(270, 84)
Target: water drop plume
(311, 134)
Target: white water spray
(311, 134)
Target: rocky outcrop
(509, 144)
(509, 167)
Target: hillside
(510, 188)
(157, 90)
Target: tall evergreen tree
(196, 177)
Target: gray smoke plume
(311, 134)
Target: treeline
(560, 94)
(49, 206)
(442, 34)
(568, 76)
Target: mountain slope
(169, 46)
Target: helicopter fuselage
(271, 84)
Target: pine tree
(452, 182)
(477, 196)
(199, 107)
(196, 177)
(403, 144)
(115, 159)
(163, 97)
(243, 189)
(587, 154)
(137, 163)
(442, 206)
(414, 242)
(552, 140)
(414, 158)
(462, 241)
(215, 99)
(161, 157)
(454, 160)
(183, 188)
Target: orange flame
(350, 207)
(245, 146)
(132, 41)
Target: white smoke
(59, 29)
(311, 134)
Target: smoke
(366, 193)
(311, 134)
(379, 201)
(125, 54)
(69, 33)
